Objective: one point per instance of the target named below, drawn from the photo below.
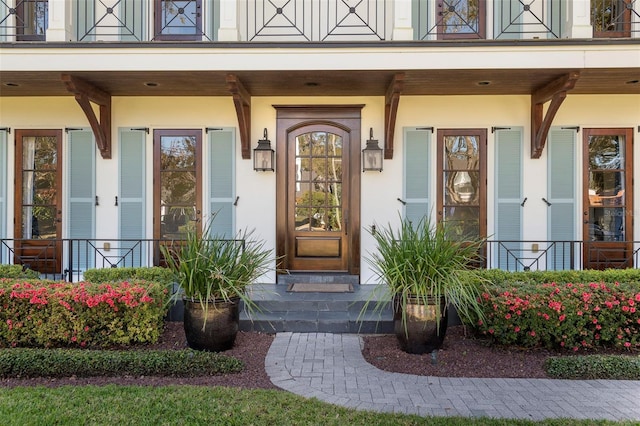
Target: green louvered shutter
(416, 174)
(507, 22)
(508, 221)
(221, 181)
(82, 192)
(85, 20)
(131, 200)
(3, 190)
(133, 20)
(561, 145)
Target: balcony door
(458, 19)
(38, 200)
(32, 18)
(178, 19)
(177, 191)
(462, 182)
(612, 18)
(608, 198)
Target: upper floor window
(178, 19)
(612, 18)
(461, 19)
(31, 18)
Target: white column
(579, 19)
(57, 25)
(228, 30)
(402, 28)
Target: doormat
(320, 288)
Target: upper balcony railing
(316, 20)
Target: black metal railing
(313, 20)
(67, 259)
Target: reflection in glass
(460, 16)
(606, 188)
(463, 223)
(606, 224)
(606, 152)
(180, 17)
(318, 203)
(462, 186)
(177, 186)
(39, 186)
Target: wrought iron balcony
(314, 20)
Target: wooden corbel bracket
(392, 99)
(85, 93)
(556, 92)
(242, 102)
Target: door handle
(346, 222)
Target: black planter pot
(421, 333)
(220, 321)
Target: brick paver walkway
(331, 367)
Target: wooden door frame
(157, 134)
(627, 244)
(41, 246)
(482, 151)
(290, 117)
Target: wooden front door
(177, 191)
(607, 198)
(38, 200)
(319, 206)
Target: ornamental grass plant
(421, 261)
(209, 268)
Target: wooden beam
(85, 93)
(392, 99)
(556, 92)
(242, 102)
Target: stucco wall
(256, 205)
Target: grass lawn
(191, 405)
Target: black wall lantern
(372, 155)
(263, 155)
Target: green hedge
(592, 367)
(59, 314)
(27, 362)
(498, 277)
(16, 271)
(152, 273)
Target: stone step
(318, 278)
(280, 311)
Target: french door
(177, 191)
(607, 198)
(178, 19)
(461, 19)
(38, 200)
(462, 187)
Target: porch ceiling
(322, 83)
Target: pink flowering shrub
(567, 316)
(60, 314)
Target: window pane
(180, 17)
(460, 16)
(463, 223)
